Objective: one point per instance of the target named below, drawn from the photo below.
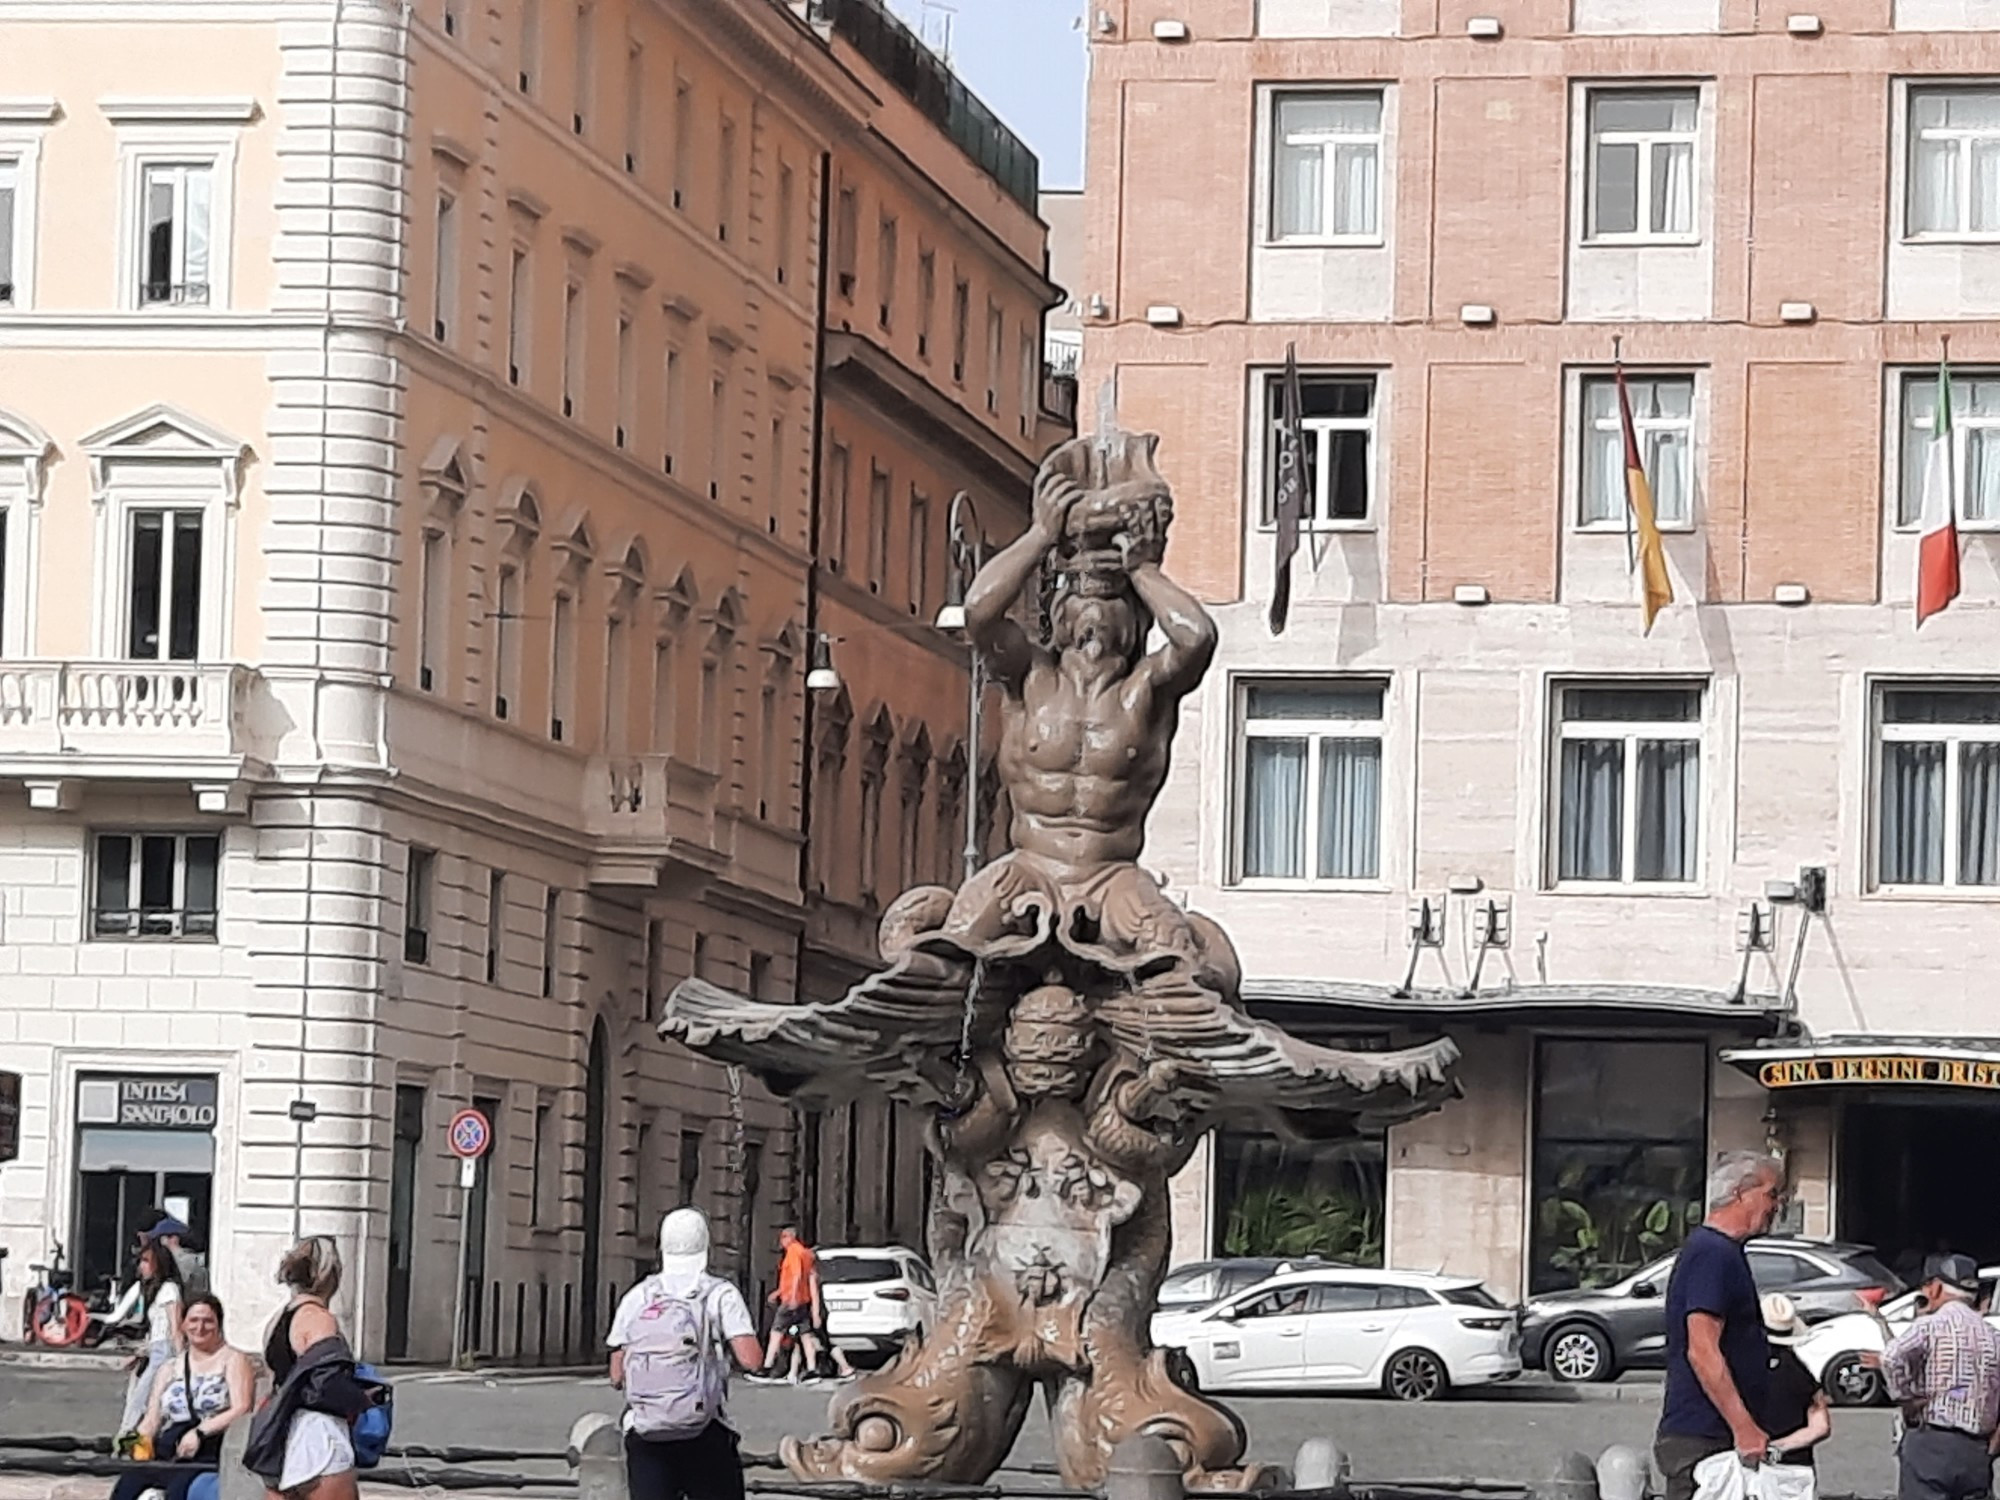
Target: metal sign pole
(468, 1174)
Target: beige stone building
(417, 428)
(1464, 791)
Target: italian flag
(1937, 546)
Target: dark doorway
(409, 1137)
(1909, 1185)
(596, 1319)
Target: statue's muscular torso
(1081, 765)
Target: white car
(875, 1298)
(1833, 1350)
(1410, 1335)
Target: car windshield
(1876, 1272)
(1190, 1287)
(1470, 1296)
(846, 1270)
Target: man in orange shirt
(798, 1283)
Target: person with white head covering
(1795, 1411)
(670, 1341)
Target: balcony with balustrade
(65, 723)
(649, 818)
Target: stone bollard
(1574, 1478)
(597, 1449)
(1321, 1465)
(1623, 1473)
(1142, 1468)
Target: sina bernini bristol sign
(1882, 1068)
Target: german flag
(1656, 589)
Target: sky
(1026, 59)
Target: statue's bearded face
(1095, 628)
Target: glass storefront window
(1277, 1197)
(1621, 1132)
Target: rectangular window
(531, 45)
(996, 345)
(711, 716)
(519, 311)
(1954, 189)
(1310, 759)
(847, 241)
(833, 523)
(1938, 804)
(572, 370)
(417, 879)
(1641, 164)
(10, 189)
(444, 285)
(541, 1163)
(653, 985)
(433, 610)
(506, 639)
(617, 685)
(562, 669)
(725, 183)
(628, 385)
(779, 469)
(156, 885)
(689, 1182)
(718, 428)
(871, 831)
(635, 104)
(585, 58)
(496, 922)
(920, 555)
(3, 585)
(663, 697)
(1326, 167)
(885, 270)
(1029, 360)
(675, 402)
(926, 300)
(1339, 448)
(785, 226)
(1975, 446)
(1663, 422)
(551, 909)
(878, 527)
(769, 757)
(174, 257)
(163, 598)
(683, 137)
(961, 328)
(1628, 778)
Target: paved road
(1514, 1433)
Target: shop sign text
(1881, 1068)
(167, 1103)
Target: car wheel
(1577, 1355)
(1849, 1382)
(1181, 1370)
(1415, 1375)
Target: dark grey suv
(1598, 1333)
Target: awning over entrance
(1301, 1001)
(1971, 1063)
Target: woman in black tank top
(318, 1451)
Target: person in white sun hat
(1795, 1411)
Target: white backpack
(675, 1378)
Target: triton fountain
(1068, 1030)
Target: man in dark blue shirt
(1717, 1357)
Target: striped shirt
(1947, 1365)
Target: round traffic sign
(469, 1134)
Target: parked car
(1834, 1350)
(875, 1298)
(1202, 1282)
(1338, 1328)
(1598, 1333)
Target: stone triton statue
(1069, 1030)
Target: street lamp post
(965, 563)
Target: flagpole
(1618, 374)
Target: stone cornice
(879, 378)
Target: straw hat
(1782, 1324)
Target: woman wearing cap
(1796, 1411)
(695, 1459)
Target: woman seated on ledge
(196, 1395)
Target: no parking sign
(470, 1134)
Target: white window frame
(1962, 424)
(1963, 233)
(26, 452)
(175, 919)
(1643, 426)
(1329, 146)
(1632, 732)
(141, 148)
(1951, 736)
(1312, 731)
(21, 144)
(1318, 432)
(1647, 142)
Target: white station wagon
(1410, 1335)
